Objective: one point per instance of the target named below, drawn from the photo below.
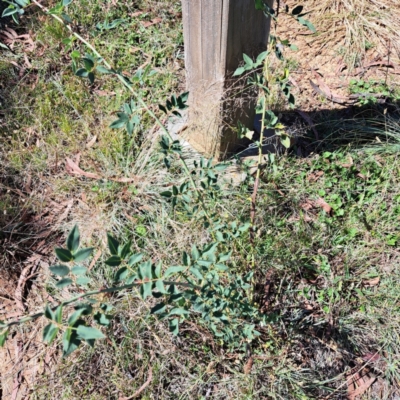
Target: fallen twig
(143, 387)
(20, 288)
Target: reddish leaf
(371, 282)
(73, 169)
(154, 21)
(324, 205)
(314, 176)
(357, 385)
(371, 357)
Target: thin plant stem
(33, 317)
(258, 174)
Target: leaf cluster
(174, 104)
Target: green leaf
(118, 124)
(49, 333)
(91, 77)
(83, 280)
(204, 263)
(75, 316)
(102, 319)
(174, 326)
(285, 140)
(157, 270)
(64, 283)
(222, 166)
(221, 267)
(196, 272)
(121, 274)
(225, 257)
(66, 2)
(178, 311)
(10, 10)
(248, 60)
(66, 18)
(307, 24)
(86, 307)
(78, 270)
(145, 273)
(73, 239)
(131, 278)
(75, 54)
(125, 250)
(83, 254)
(261, 57)
(22, 3)
(297, 10)
(104, 70)
(3, 338)
(48, 313)
(59, 270)
(63, 255)
(129, 127)
(186, 259)
(195, 253)
(113, 244)
(82, 73)
(89, 64)
(210, 250)
(114, 261)
(134, 259)
(158, 309)
(70, 341)
(88, 333)
(163, 109)
(184, 97)
(58, 314)
(219, 236)
(174, 270)
(160, 286)
(239, 71)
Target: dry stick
(19, 291)
(140, 390)
(138, 98)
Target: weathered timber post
(216, 34)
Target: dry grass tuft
(359, 25)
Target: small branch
(33, 317)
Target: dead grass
(358, 26)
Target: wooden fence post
(216, 34)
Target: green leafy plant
(201, 285)
(175, 104)
(204, 285)
(15, 9)
(372, 91)
(128, 118)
